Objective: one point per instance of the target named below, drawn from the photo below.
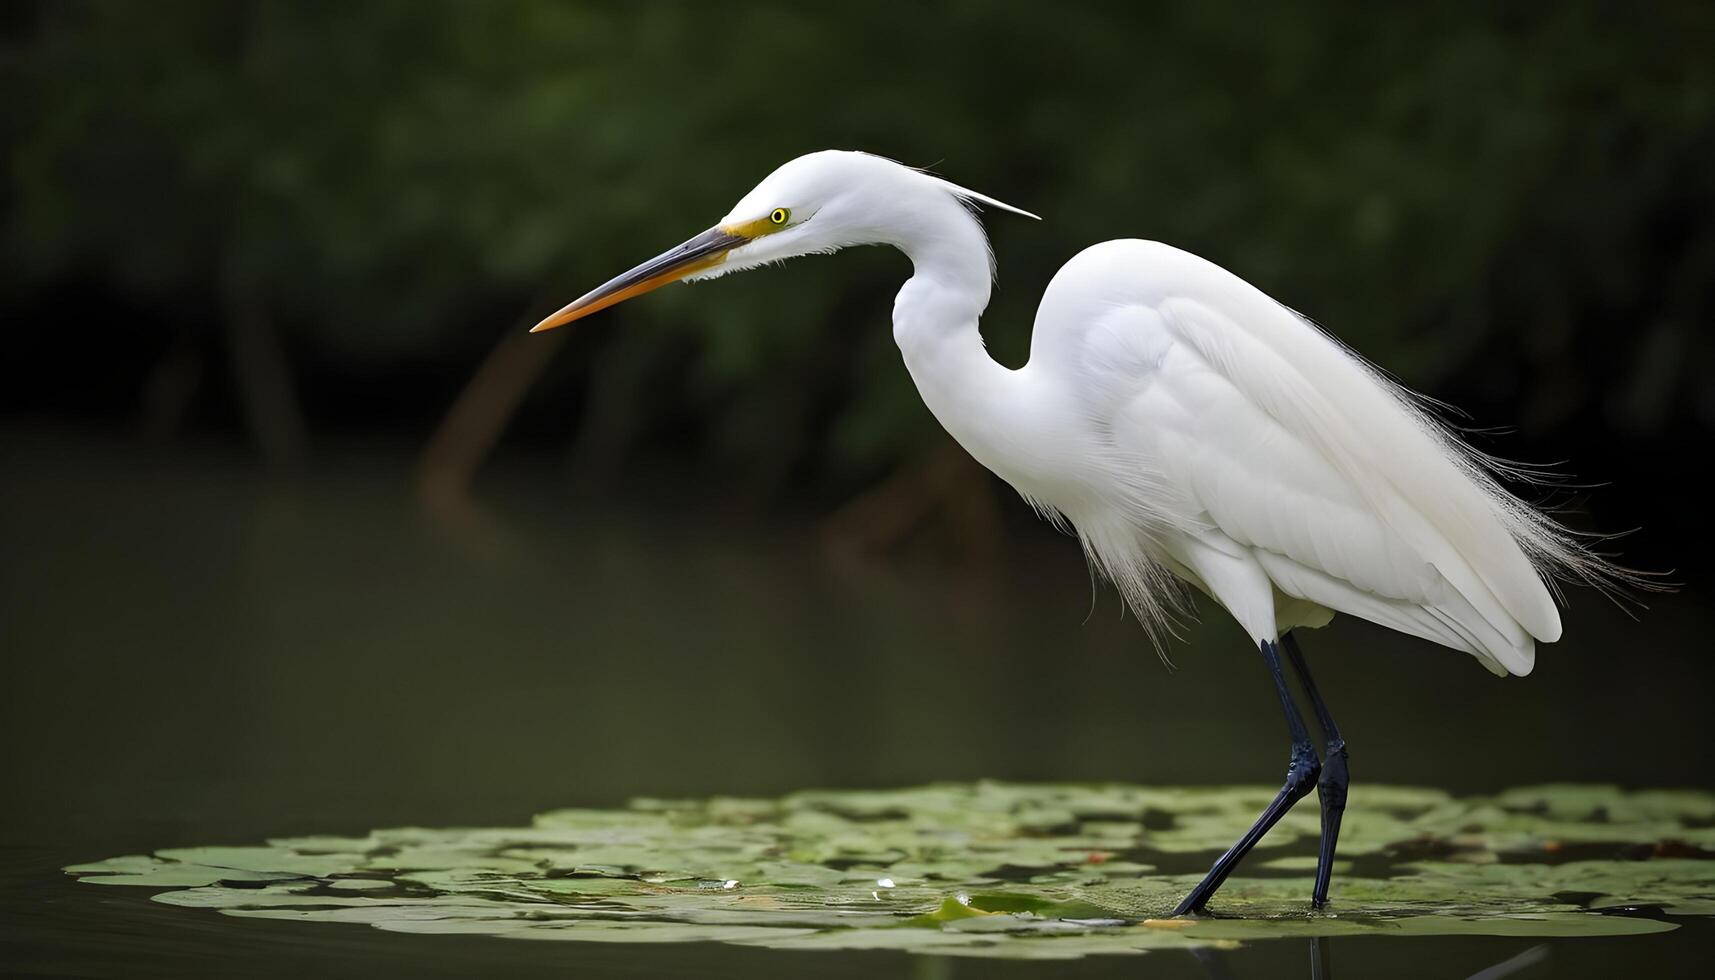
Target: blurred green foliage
(1477, 196)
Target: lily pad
(985, 869)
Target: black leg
(1332, 789)
(1300, 776)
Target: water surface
(195, 657)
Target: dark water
(195, 655)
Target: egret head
(820, 202)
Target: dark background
(300, 532)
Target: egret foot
(1301, 775)
(1331, 790)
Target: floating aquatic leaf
(326, 844)
(985, 870)
(951, 910)
(276, 860)
(1303, 862)
(361, 884)
(140, 869)
(125, 864)
(185, 876)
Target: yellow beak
(702, 252)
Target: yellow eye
(779, 216)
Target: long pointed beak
(705, 250)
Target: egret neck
(935, 324)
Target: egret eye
(779, 216)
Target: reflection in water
(978, 870)
(1506, 968)
(1214, 962)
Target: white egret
(1192, 430)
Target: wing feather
(1389, 490)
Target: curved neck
(952, 274)
(935, 325)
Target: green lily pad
(983, 870)
(139, 869)
(1303, 862)
(268, 860)
(951, 910)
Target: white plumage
(1188, 426)
(1192, 430)
(1287, 468)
